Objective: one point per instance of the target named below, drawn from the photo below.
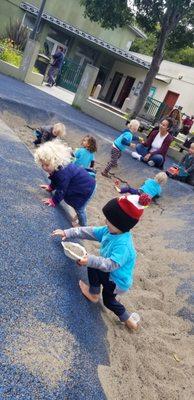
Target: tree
(168, 15)
(109, 14)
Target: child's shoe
(103, 173)
(117, 189)
(136, 155)
(133, 321)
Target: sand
(154, 363)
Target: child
(152, 187)
(84, 156)
(114, 268)
(185, 168)
(120, 144)
(71, 183)
(49, 132)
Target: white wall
(184, 86)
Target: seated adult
(154, 149)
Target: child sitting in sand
(120, 144)
(49, 132)
(71, 183)
(114, 268)
(152, 187)
(185, 169)
(84, 156)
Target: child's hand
(59, 232)
(46, 187)
(49, 202)
(133, 145)
(117, 189)
(83, 261)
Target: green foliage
(145, 46)
(9, 54)
(17, 33)
(109, 14)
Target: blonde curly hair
(59, 129)
(161, 178)
(54, 153)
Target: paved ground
(58, 92)
(40, 301)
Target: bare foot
(94, 298)
(75, 224)
(133, 322)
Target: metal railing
(154, 109)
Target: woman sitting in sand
(154, 149)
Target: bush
(9, 54)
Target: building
(84, 42)
(121, 72)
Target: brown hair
(91, 143)
(177, 117)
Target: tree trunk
(154, 68)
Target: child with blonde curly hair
(71, 183)
(49, 132)
(152, 187)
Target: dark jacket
(165, 145)
(47, 133)
(188, 163)
(72, 184)
(58, 58)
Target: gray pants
(52, 75)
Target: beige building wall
(182, 82)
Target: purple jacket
(165, 145)
(72, 184)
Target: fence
(154, 109)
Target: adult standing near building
(56, 66)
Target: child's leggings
(129, 189)
(115, 155)
(96, 279)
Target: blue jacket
(151, 187)
(72, 184)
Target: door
(171, 99)
(127, 86)
(113, 87)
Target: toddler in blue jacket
(152, 187)
(114, 268)
(120, 144)
(71, 183)
(85, 155)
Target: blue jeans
(81, 211)
(158, 159)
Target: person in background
(120, 144)
(185, 168)
(56, 66)
(114, 268)
(175, 115)
(154, 149)
(150, 186)
(187, 124)
(69, 182)
(49, 132)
